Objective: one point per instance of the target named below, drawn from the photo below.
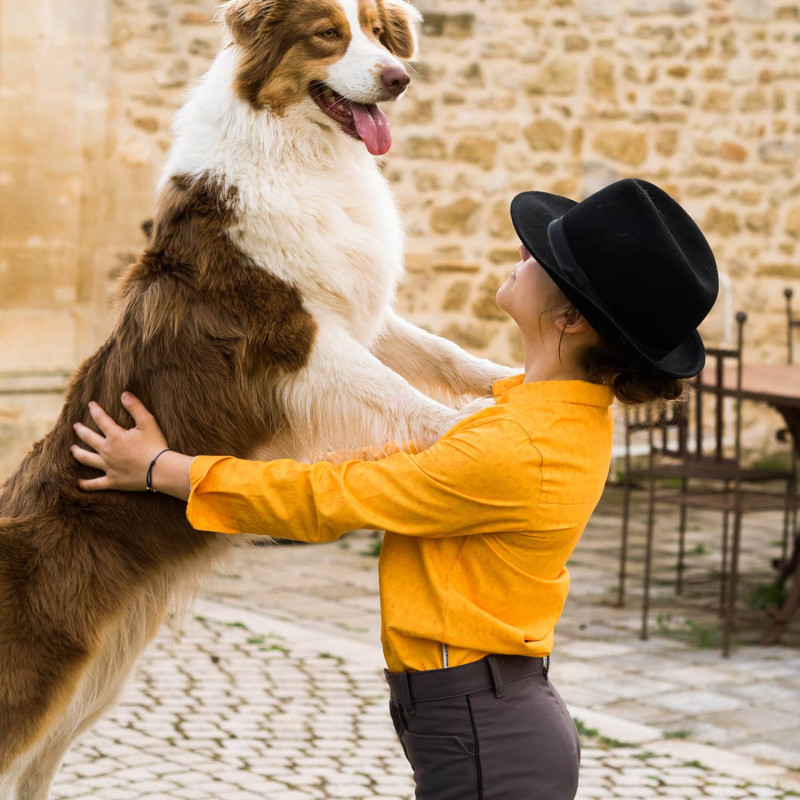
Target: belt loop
(497, 677)
(404, 692)
(545, 666)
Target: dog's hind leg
(34, 783)
(98, 690)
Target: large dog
(258, 323)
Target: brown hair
(618, 366)
(632, 381)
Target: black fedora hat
(633, 262)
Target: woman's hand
(125, 454)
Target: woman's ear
(572, 321)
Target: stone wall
(700, 96)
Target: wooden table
(779, 386)
(775, 384)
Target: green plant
(766, 595)
(774, 462)
(374, 548)
(689, 631)
(593, 733)
(584, 730)
(683, 733)
(695, 763)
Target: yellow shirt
(479, 526)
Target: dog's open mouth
(359, 120)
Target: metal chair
(691, 441)
(792, 323)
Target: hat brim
(531, 214)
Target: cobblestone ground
(272, 686)
(240, 706)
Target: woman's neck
(553, 363)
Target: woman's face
(529, 294)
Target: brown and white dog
(258, 323)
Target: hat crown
(656, 273)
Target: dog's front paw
(474, 406)
(493, 373)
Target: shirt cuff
(200, 511)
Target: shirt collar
(515, 390)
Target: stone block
(602, 84)
(478, 150)
(568, 187)
(455, 217)
(792, 224)
(456, 296)
(755, 100)
(573, 43)
(730, 151)
(762, 223)
(719, 221)
(626, 147)
(597, 9)
(424, 147)
(177, 74)
(719, 101)
(470, 335)
(454, 26)
(753, 10)
(545, 134)
(485, 305)
(779, 152)
(666, 141)
(149, 124)
(558, 77)
(500, 225)
(503, 255)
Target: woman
(608, 295)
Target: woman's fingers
(87, 458)
(102, 420)
(136, 408)
(88, 436)
(94, 484)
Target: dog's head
(343, 54)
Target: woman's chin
(503, 291)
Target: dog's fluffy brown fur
(198, 336)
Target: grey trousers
(493, 730)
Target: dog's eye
(331, 33)
(377, 31)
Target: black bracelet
(149, 477)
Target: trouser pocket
(444, 767)
(439, 743)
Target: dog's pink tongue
(372, 127)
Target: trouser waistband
(492, 672)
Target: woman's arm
(482, 477)
(125, 454)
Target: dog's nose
(395, 79)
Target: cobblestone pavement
(271, 687)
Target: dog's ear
(247, 18)
(399, 20)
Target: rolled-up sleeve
(481, 478)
